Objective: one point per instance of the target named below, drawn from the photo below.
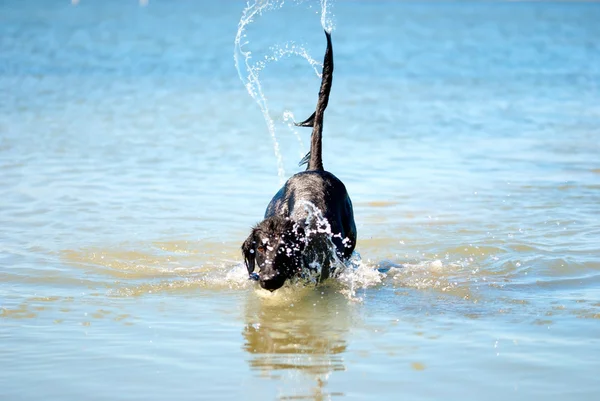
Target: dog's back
(316, 196)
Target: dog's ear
(249, 252)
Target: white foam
(356, 275)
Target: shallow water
(133, 162)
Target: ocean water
(133, 163)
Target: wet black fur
(288, 241)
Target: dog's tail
(314, 156)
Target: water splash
(356, 274)
(326, 16)
(249, 70)
(351, 274)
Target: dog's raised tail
(314, 157)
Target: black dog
(310, 221)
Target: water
(133, 163)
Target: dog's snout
(271, 281)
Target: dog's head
(276, 246)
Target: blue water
(133, 163)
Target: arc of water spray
(252, 81)
(253, 85)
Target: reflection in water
(299, 333)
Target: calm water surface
(133, 163)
